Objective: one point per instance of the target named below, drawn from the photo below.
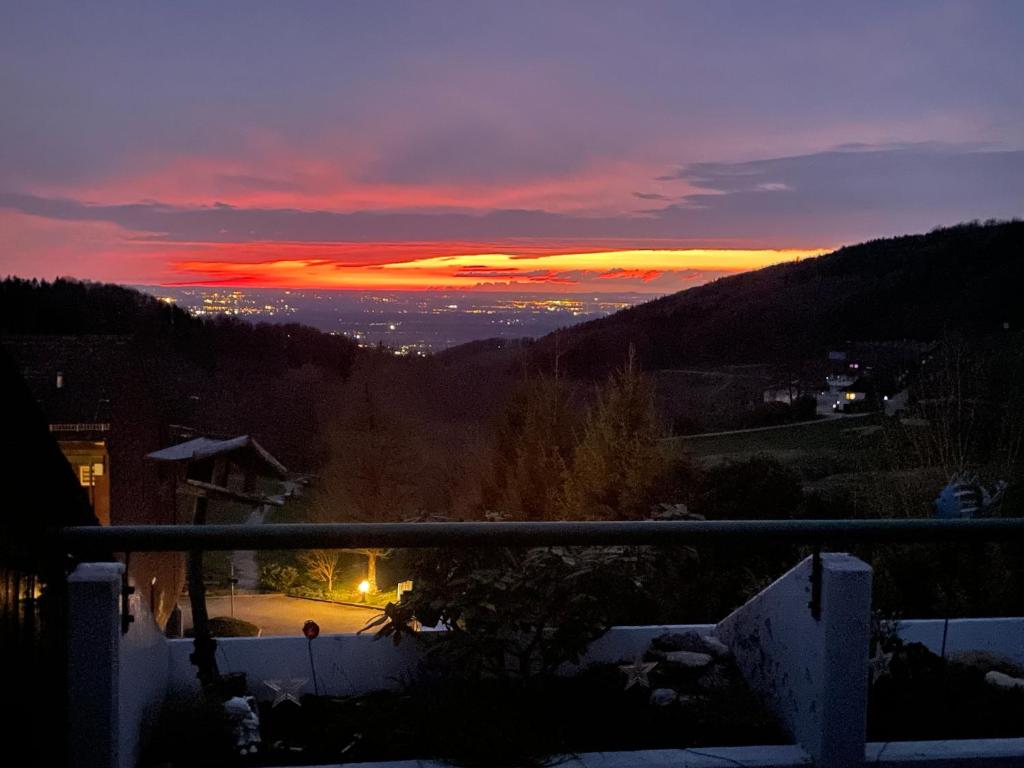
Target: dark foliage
(500, 723)
(76, 308)
(194, 731)
(757, 488)
(923, 697)
(143, 365)
(517, 613)
(228, 626)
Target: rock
(713, 679)
(1003, 681)
(716, 647)
(689, 641)
(662, 697)
(688, 658)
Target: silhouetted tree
(618, 461)
(322, 564)
(535, 441)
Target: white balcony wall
(812, 671)
(116, 681)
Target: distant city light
(403, 322)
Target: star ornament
(878, 665)
(637, 672)
(286, 690)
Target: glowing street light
(364, 587)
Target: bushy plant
(278, 577)
(516, 613)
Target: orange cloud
(310, 266)
(631, 274)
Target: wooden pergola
(210, 468)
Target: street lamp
(364, 587)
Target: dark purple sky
(339, 144)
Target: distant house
(896, 403)
(84, 445)
(68, 380)
(838, 382)
(783, 393)
(839, 394)
(105, 420)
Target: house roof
(43, 483)
(205, 448)
(89, 368)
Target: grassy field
(814, 449)
(846, 460)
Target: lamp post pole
(232, 581)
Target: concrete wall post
(94, 639)
(811, 671)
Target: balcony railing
(83, 541)
(831, 628)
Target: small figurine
(245, 720)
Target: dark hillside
(75, 308)
(145, 365)
(965, 278)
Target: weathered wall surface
(812, 670)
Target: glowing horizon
(649, 271)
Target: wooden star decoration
(286, 690)
(637, 672)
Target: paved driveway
(282, 615)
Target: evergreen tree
(534, 447)
(618, 462)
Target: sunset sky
(561, 146)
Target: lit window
(85, 475)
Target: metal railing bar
(156, 538)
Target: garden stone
(690, 659)
(712, 679)
(689, 641)
(1003, 681)
(716, 647)
(662, 697)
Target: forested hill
(144, 365)
(966, 278)
(76, 308)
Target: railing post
(94, 639)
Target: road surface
(283, 615)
